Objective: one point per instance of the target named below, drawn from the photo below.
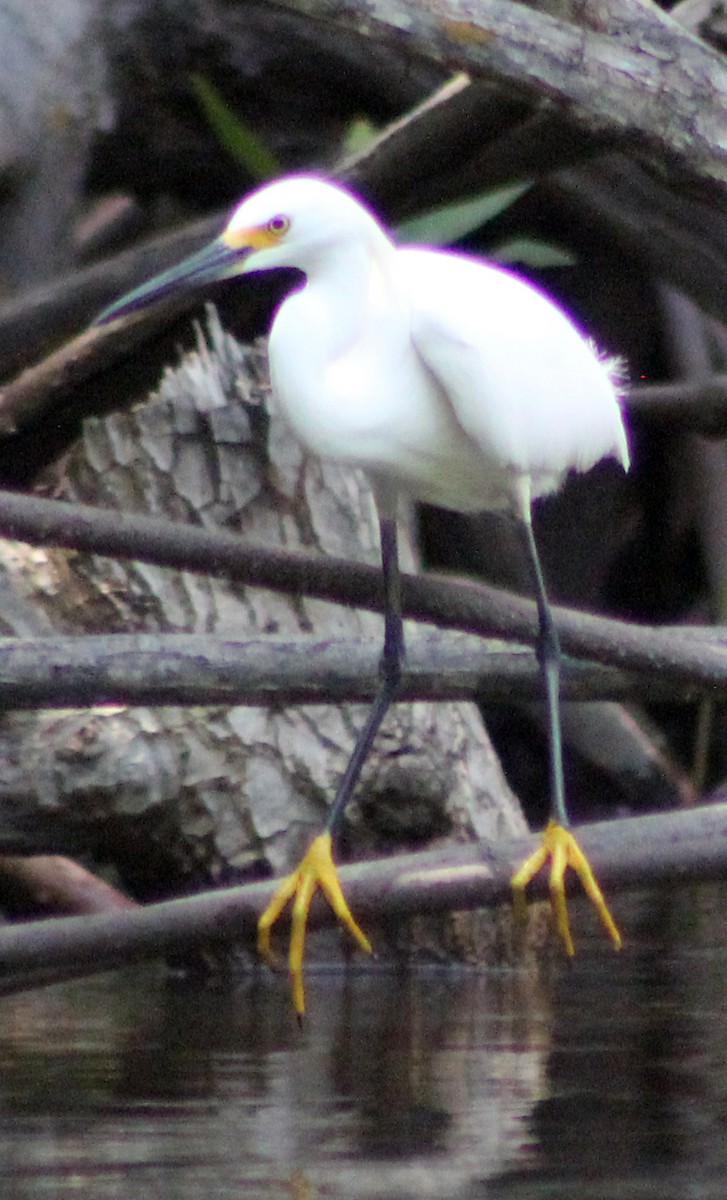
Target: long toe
(316, 870)
(579, 863)
(561, 848)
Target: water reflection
(637, 1071)
(606, 1081)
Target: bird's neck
(351, 288)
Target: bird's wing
(522, 380)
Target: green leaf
(359, 134)
(532, 252)
(442, 226)
(244, 146)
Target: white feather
(444, 377)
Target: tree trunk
(232, 793)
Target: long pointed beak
(214, 262)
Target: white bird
(448, 380)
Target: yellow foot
(316, 870)
(560, 846)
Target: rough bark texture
(233, 792)
(612, 87)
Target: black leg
(548, 651)
(559, 845)
(390, 670)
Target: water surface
(605, 1079)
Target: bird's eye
(279, 225)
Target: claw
(315, 870)
(560, 846)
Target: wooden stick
(670, 848)
(168, 668)
(689, 656)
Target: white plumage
(442, 376)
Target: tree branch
(198, 669)
(671, 848)
(696, 404)
(45, 315)
(685, 656)
(657, 88)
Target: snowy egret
(448, 380)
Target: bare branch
(670, 848)
(158, 669)
(615, 87)
(46, 315)
(696, 404)
(497, 135)
(688, 656)
(51, 884)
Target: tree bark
(205, 669)
(681, 656)
(232, 792)
(617, 88)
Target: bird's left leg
(317, 869)
(559, 844)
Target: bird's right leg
(559, 843)
(317, 869)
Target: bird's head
(293, 222)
